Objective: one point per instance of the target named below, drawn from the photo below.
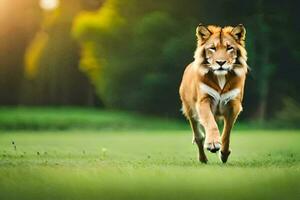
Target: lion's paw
(212, 146)
(224, 156)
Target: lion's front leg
(230, 115)
(198, 138)
(207, 120)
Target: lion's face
(220, 55)
(221, 50)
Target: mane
(242, 67)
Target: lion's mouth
(221, 70)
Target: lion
(212, 87)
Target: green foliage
(131, 54)
(139, 165)
(51, 62)
(33, 54)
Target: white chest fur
(221, 81)
(219, 100)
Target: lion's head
(221, 50)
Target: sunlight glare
(49, 4)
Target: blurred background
(129, 55)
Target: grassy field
(70, 118)
(152, 164)
(66, 118)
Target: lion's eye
(230, 48)
(213, 49)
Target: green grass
(70, 118)
(66, 118)
(153, 164)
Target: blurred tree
(18, 22)
(263, 66)
(272, 60)
(53, 76)
(131, 52)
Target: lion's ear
(202, 33)
(239, 33)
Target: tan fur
(213, 85)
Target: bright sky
(49, 4)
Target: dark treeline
(131, 54)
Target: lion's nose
(221, 63)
